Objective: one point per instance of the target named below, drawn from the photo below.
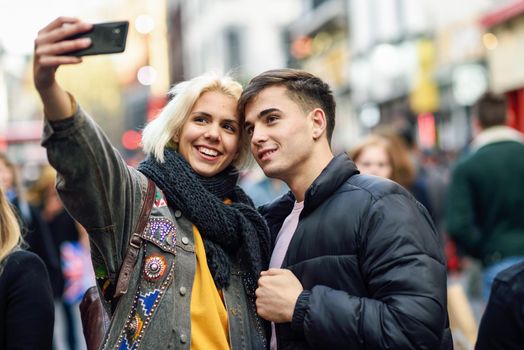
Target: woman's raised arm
(51, 47)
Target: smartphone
(108, 37)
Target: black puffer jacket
(370, 262)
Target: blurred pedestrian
(486, 194)
(12, 184)
(502, 324)
(431, 172)
(387, 156)
(34, 230)
(203, 299)
(26, 299)
(68, 282)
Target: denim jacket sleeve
(95, 184)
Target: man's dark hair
(305, 89)
(490, 110)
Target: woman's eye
(200, 119)
(230, 127)
(249, 130)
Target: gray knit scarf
(230, 232)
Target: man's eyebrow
(262, 114)
(267, 111)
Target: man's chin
(271, 171)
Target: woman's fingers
(51, 61)
(53, 39)
(62, 47)
(52, 45)
(63, 32)
(58, 22)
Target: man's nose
(258, 136)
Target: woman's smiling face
(210, 138)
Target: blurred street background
(414, 66)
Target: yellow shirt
(209, 325)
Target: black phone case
(109, 37)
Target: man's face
(281, 133)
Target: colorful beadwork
(135, 327)
(125, 346)
(154, 267)
(160, 200)
(147, 301)
(162, 232)
(157, 266)
(144, 306)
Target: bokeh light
(146, 75)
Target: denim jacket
(105, 196)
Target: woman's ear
(319, 122)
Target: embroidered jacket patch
(161, 232)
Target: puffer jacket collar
(339, 169)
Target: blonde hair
(159, 133)
(403, 170)
(10, 237)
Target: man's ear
(319, 122)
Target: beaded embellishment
(157, 275)
(135, 326)
(160, 200)
(147, 301)
(162, 232)
(154, 267)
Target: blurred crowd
(62, 244)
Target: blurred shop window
(234, 48)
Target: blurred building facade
(504, 39)
(389, 41)
(416, 64)
(243, 37)
(319, 43)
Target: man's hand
(277, 294)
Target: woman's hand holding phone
(51, 48)
(50, 51)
